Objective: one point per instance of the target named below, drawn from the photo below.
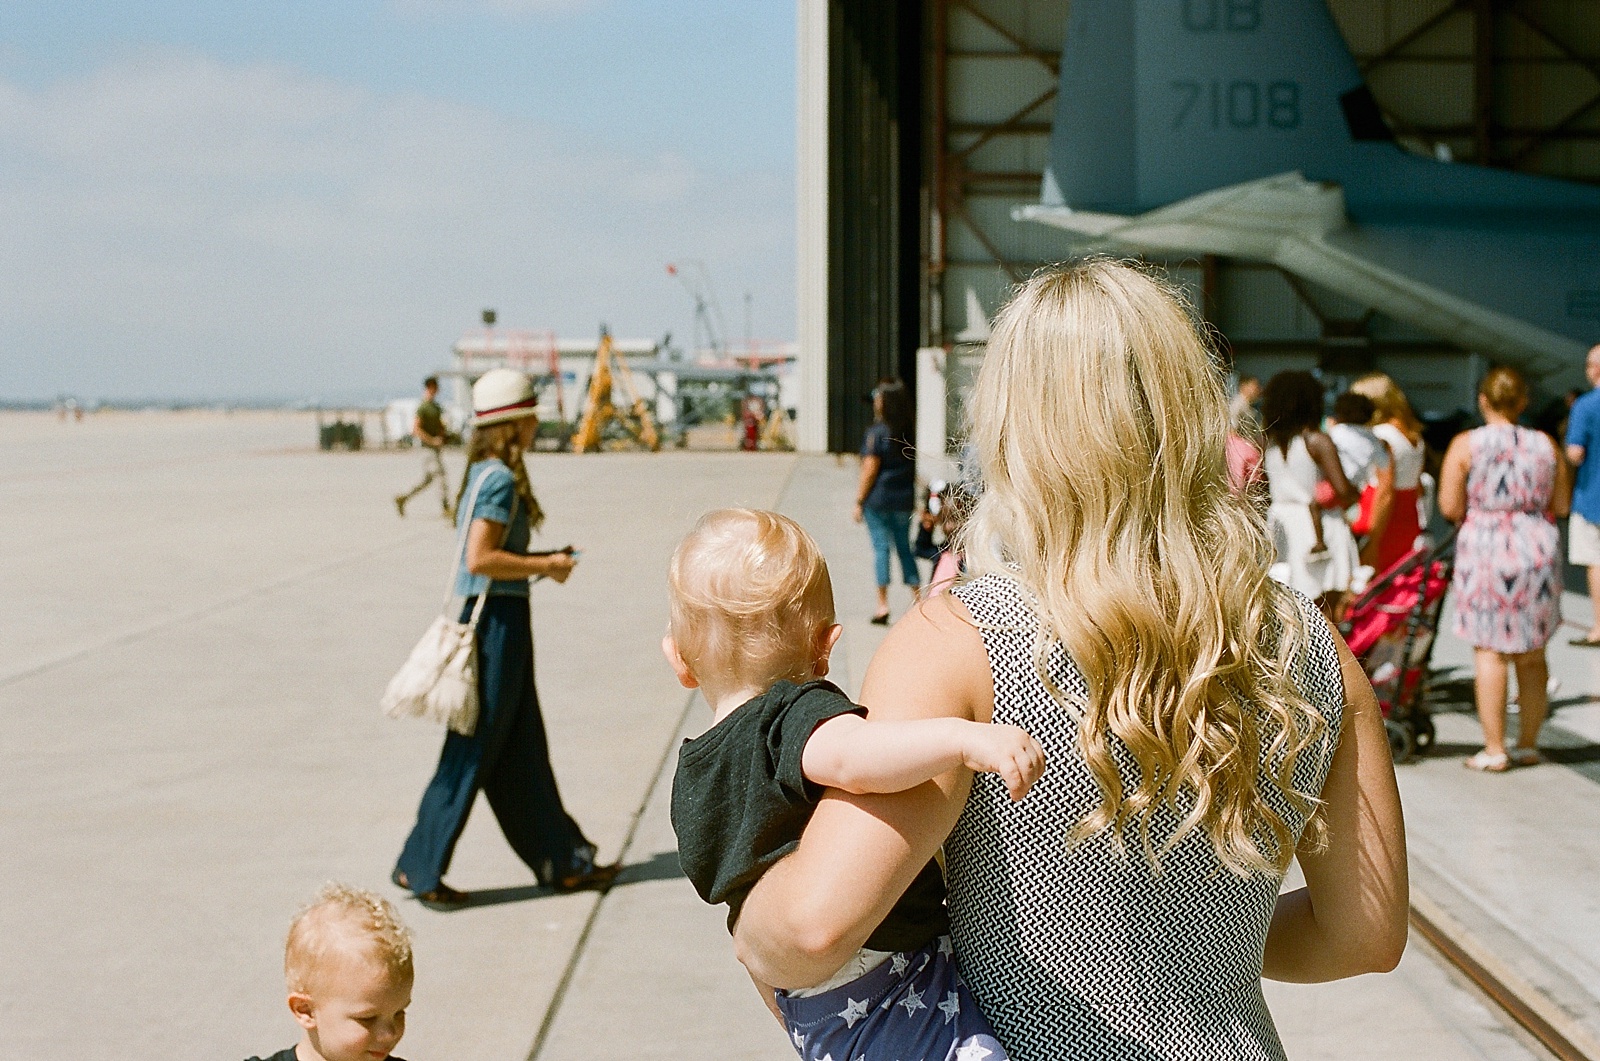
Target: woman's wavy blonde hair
(1389, 403)
(1100, 420)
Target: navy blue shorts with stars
(913, 1007)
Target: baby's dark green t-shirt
(740, 802)
(290, 1055)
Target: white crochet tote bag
(439, 680)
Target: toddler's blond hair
(341, 923)
(749, 591)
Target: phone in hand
(567, 550)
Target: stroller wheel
(1402, 739)
(1423, 724)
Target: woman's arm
(1382, 507)
(808, 914)
(869, 475)
(1453, 479)
(1323, 451)
(485, 557)
(1351, 917)
(1561, 495)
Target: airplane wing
(1300, 226)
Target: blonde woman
(1201, 724)
(1392, 528)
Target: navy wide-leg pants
(508, 757)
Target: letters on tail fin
(1161, 100)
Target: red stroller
(1391, 627)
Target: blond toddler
(752, 626)
(347, 964)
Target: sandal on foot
(595, 878)
(440, 897)
(1526, 757)
(1488, 762)
(443, 897)
(881, 619)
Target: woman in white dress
(1316, 552)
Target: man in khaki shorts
(429, 431)
(1583, 530)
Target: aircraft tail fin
(1163, 99)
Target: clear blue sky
(296, 199)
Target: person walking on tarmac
(429, 431)
(508, 754)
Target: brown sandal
(440, 897)
(595, 878)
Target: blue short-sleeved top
(497, 500)
(1583, 429)
(895, 488)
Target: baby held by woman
(752, 626)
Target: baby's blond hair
(749, 591)
(341, 923)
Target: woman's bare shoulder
(932, 663)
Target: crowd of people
(1120, 724)
(1347, 494)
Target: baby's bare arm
(857, 755)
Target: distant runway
(202, 610)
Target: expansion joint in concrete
(578, 950)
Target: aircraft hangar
(925, 131)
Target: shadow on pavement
(663, 865)
(660, 866)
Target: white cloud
(175, 225)
(666, 178)
(501, 8)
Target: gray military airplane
(1243, 128)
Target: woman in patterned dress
(1506, 485)
(1202, 723)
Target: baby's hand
(1007, 751)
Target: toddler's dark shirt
(740, 802)
(289, 1055)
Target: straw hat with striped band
(502, 394)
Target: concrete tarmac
(202, 613)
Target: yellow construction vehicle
(599, 411)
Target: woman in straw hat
(1202, 724)
(508, 756)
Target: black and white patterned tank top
(1080, 952)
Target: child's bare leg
(769, 996)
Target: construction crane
(601, 412)
(709, 328)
